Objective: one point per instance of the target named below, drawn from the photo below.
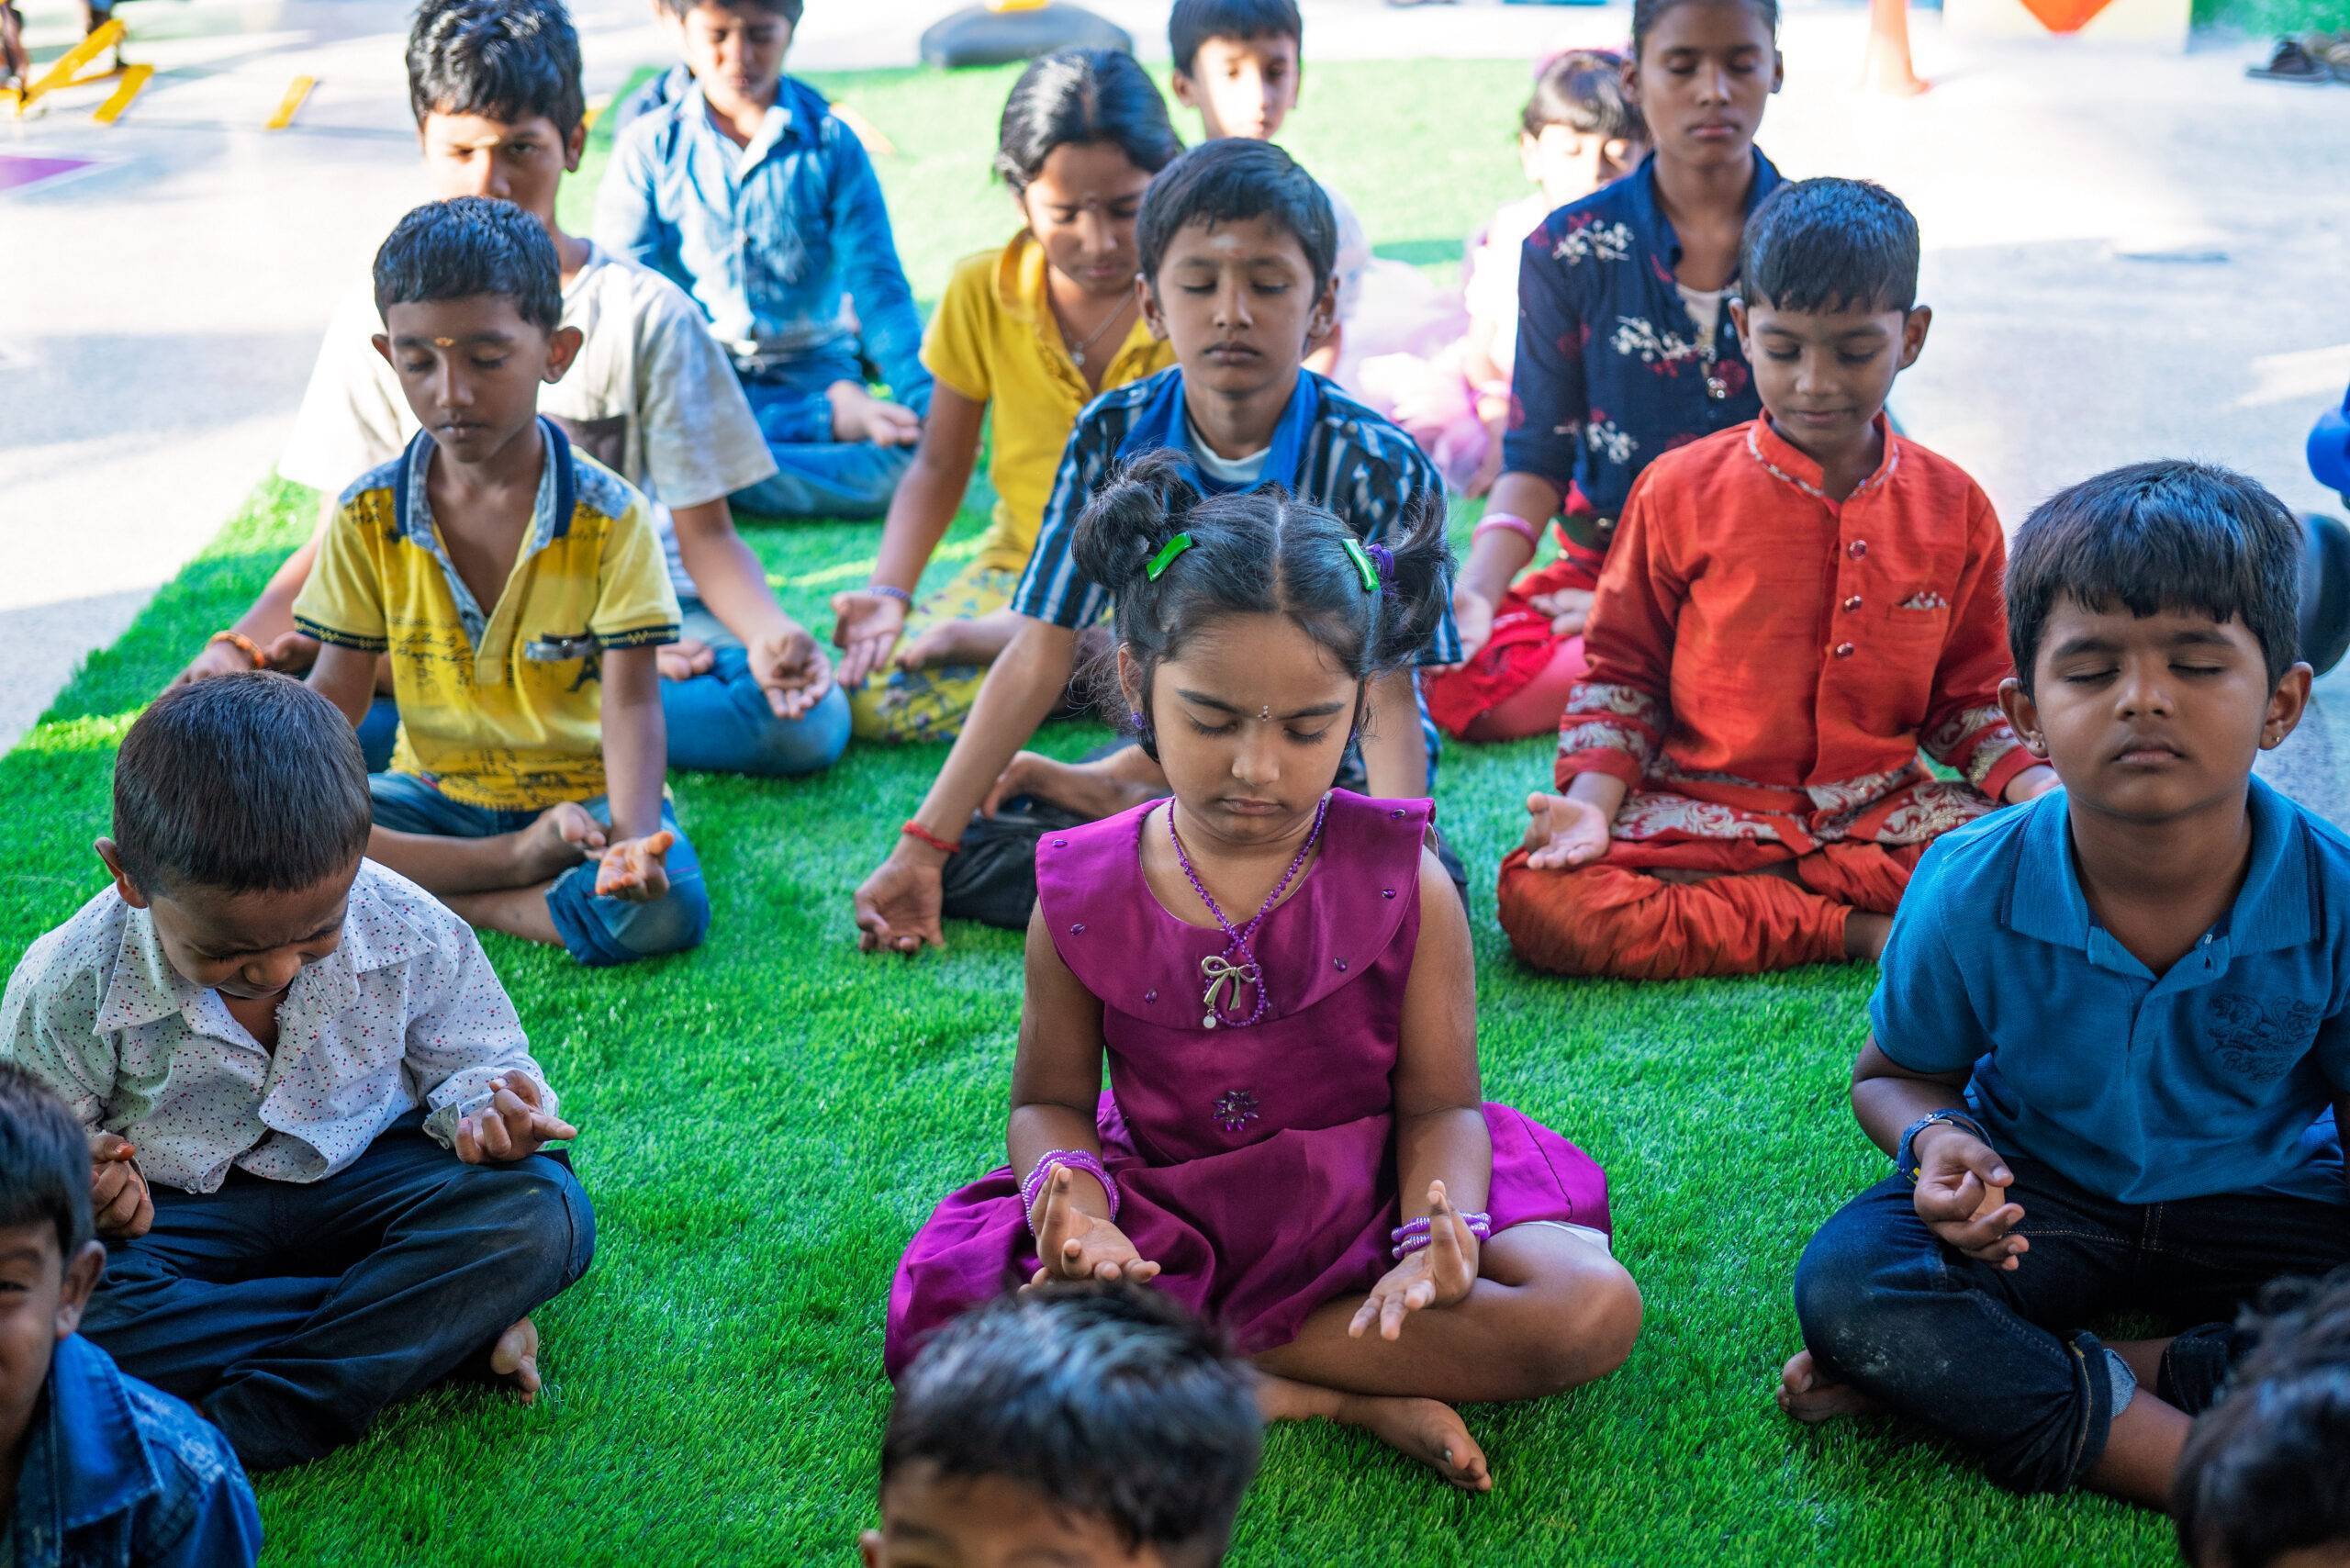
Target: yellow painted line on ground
(62, 69)
(595, 107)
(290, 105)
(133, 80)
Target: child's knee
(786, 747)
(1583, 921)
(1845, 1305)
(602, 932)
(1596, 1324)
(535, 1215)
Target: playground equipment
(65, 72)
(1004, 30)
(2325, 563)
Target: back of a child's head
(247, 783)
(2266, 1470)
(1192, 22)
(1108, 1402)
(1582, 89)
(1829, 245)
(1233, 180)
(470, 247)
(1259, 553)
(502, 60)
(2166, 535)
(1077, 97)
(44, 1162)
(1646, 13)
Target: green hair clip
(1166, 556)
(1363, 567)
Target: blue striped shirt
(1329, 450)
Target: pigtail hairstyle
(1256, 553)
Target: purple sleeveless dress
(1255, 1165)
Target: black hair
(468, 246)
(1232, 180)
(1829, 244)
(1582, 89)
(1192, 22)
(2154, 536)
(1111, 1401)
(247, 783)
(44, 1162)
(2264, 1471)
(1646, 13)
(1080, 95)
(504, 59)
(787, 9)
(1258, 552)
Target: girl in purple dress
(1279, 973)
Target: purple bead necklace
(1222, 971)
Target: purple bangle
(890, 590)
(1075, 1160)
(1413, 1235)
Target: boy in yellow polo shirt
(518, 589)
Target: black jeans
(2001, 1363)
(293, 1314)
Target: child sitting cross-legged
(2110, 1024)
(1790, 608)
(1096, 1424)
(517, 587)
(96, 1470)
(1278, 974)
(315, 1122)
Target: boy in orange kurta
(1792, 607)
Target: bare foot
(1807, 1394)
(561, 838)
(515, 1357)
(1425, 1429)
(1865, 934)
(958, 642)
(1088, 788)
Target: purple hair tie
(1075, 1160)
(1384, 559)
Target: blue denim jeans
(719, 722)
(2002, 1364)
(816, 476)
(595, 930)
(293, 1314)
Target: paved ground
(2124, 253)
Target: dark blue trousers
(2002, 1363)
(294, 1314)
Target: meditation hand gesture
(1472, 616)
(1567, 608)
(1439, 1275)
(1564, 832)
(866, 626)
(511, 1126)
(119, 1201)
(684, 659)
(899, 908)
(632, 869)
(1963, 1196)
(791, 670)
(1074, 1245)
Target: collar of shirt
(550, 512)
(1789, 462)
(86, 1459)
(790, 123)
(144, 989)
(1161, 424)
(1020, 285)
(1647, 209)
(2272, 909)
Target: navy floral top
(1611, 370)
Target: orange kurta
(1766, 662)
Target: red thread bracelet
(943, 846)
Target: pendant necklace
(1237, 966)
(1076, 351)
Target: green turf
(766, 1120)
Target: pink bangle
(1506, 522)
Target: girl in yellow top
(1036, 332)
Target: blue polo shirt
(117, 1474)
(2214, 1078)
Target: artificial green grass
(764, 1121)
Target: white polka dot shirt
(406, 1013)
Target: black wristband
(1903, 1157)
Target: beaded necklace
(1221, 971)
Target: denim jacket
(116, 1473)
(785, 243)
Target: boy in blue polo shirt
(2111, 1024)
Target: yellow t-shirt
(994, 341)
(499, 706)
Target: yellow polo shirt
(499, 707)
(994, 341)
